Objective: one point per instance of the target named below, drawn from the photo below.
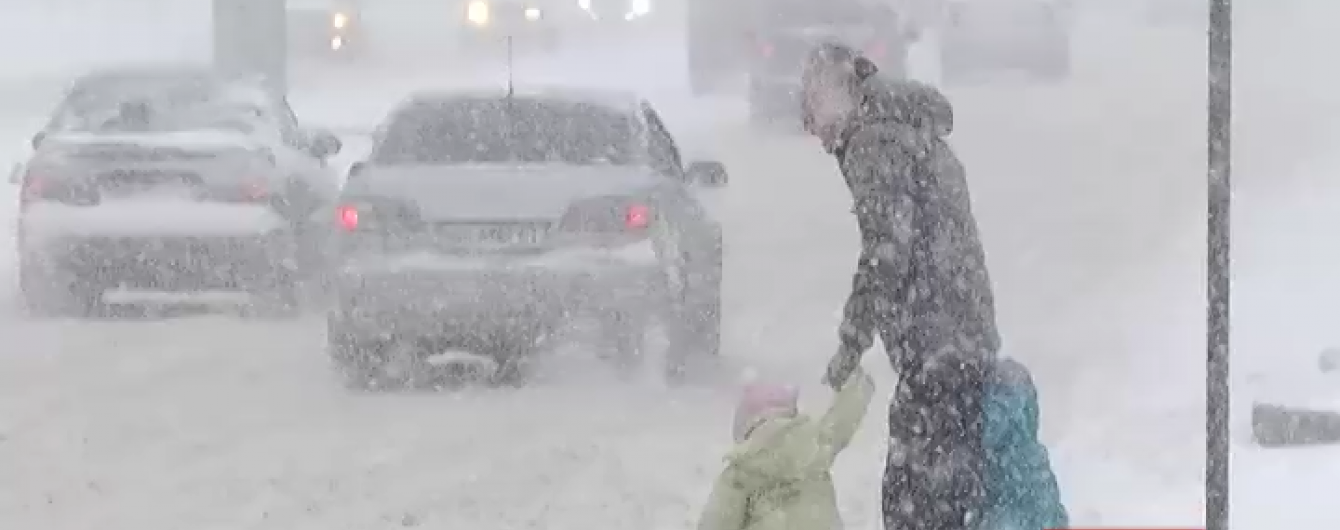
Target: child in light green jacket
(777, 476)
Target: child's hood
(1011, 406)
(779, 449)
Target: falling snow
(1087, 185)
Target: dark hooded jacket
(921, 277)
(921, 283)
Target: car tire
(45, 293)
(365, 363)
(513, 354)
(281, 293)
(624, 336)
(354, 358)
(695, 327)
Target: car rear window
(498, 131)
(125, 104)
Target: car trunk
(98, 170)
(487, 209)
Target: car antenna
(510, 86)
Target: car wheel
(624, 335)
(373, 363)
(51, 294)
(513, 355)
(280, 293)
(353, 358)
(695, 329)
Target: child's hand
(840, 367)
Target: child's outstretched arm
(727, 505)
(839, 424)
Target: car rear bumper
(448, 298)
(169, 264)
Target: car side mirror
(356, 170)
(325, 144)
(707, 173)
(38, 139)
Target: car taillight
(766, 49)
(607, 216)
(347, 216)
(637, 217)
(876, 50)
(33, 187)
(255, 190)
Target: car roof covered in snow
(161, 73)
(614, 100)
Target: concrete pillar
(250, 40)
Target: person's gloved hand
(841, 366)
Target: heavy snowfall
(1090, 193)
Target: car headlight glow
(640, 8)
(339, 20)
(478, 12)
(584, 4)
(533, 14)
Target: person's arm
(882, 188)
(727, 506)
(839, 424)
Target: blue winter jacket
(1021, 488)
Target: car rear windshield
(159, 104)
(499, 131)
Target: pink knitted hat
(759, 400)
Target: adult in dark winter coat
(921, 283)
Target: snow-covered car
(483, 221)
(991, 35)
(529, 23)
(325, 27)
(172, 180)
(789, 29)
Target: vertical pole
(1220, 43)
(250, 38)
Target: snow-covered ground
(1090, 196)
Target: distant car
(326, 27)
(617, 12)
(991, 35)
(482, 222)
(166, 179)
(788, 30)
(529, 23)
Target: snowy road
(1089, 196)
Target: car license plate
(490, 235)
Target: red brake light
(32, 186)
(876, 50)
(255, 190)
(637, 217)
(348, 217)
(765, 49)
